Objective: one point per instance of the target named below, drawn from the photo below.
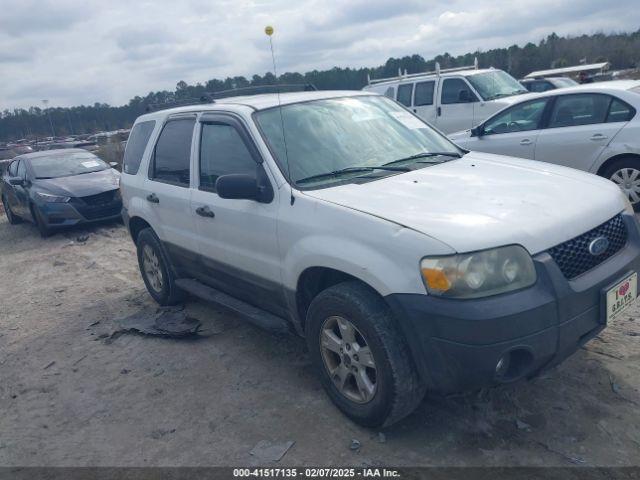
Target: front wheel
(156, 269)
(44, 230)
(11, 217)
(361, 357)
(625, 172)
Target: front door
(455, 112)
(236, 237)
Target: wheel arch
(136, 225)
(609, 161)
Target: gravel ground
(71, 396)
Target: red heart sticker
(623, 289)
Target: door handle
(525, 142)
(205, 212)
(598, 136)
(439, 111)
(153, 198)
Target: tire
(166, 292)
(398, 389)
(616, 171)
(11, 217)
(40, 223)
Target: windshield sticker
(91, 164)
(408, 120)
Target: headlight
(479, 274)
(47, 197)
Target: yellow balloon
(268, 30)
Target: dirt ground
(71, 397)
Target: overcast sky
(74, 52)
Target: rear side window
(222, 152)
(582, 109)
(404, 94)
(456, 90)
(619, 111)
(172, 155)
(424, 94)
(138, 139)
(541, 86)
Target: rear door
(455, 112)
(21, 192)
(424, 100)
(236, 237)
(10, 190)
(577, 130)
(405, 94)
(168, 192)
(514, 131)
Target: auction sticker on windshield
(621, 296)
(91, 164)
(408, 120)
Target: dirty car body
(61, 188)
(352, 222)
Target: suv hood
(483, 201)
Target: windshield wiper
(341, 171)
(425, 155)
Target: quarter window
(520, 118)
(404, 94)
(391, 93)
(13, 168)
(172, 155)
(424, 94)
(136, 145)
(619, 111)
(222, 152)
(581, 109)
(456, 90)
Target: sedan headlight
(47, 197)
(479, 274)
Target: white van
(452, 99)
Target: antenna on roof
(268, 30)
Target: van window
(391, 93)
(136, 145)
(581, 109)
(619, 111)
(452, 91)
(424, 94)
(222, 152)
(405, 93)
(172, 155)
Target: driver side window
(520, 118)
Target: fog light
(502, 366)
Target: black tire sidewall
(329, 304)
(11, 217)
(167, 295)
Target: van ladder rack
(436, 72)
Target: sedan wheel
(628, 179)
(11, 217)
(348, 359)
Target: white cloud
(74, 52)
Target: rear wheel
(361, 357)
(156, 270)
(11, 217)
(625, 172)
(40, 223)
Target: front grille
(100, 199)
(101, 212)
(573, 257)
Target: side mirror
(114, 164)
(18, 181)
(243, 187)
(477, 131)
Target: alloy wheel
(628, 179)
(348, 359)
(152, 269)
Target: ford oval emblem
(598, 246)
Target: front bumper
(457, 343)
(72, 213)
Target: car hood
(483, 201)
(81, 185)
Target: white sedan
(595, 128)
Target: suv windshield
(66, 165)
(495, 84)
(328, 139)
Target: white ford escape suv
(407, 263)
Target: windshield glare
(323, 136)
(495, 84)
(66, 165)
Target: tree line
(622, 50)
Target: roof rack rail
(152, 107)
(404, 75)
(258, 89)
